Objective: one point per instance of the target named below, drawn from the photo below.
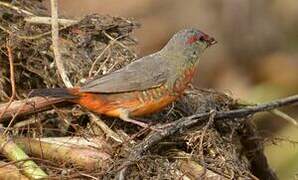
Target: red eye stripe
(192, 39)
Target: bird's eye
(201, 38)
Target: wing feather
(145, 73)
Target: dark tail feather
(54, 92)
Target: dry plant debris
(92, 46)
(81, 45)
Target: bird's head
(190, 42)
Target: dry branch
(12, 80)
(55, 39)
(47, 20)
(27, 106)
(9, 5)
(107, 131)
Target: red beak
(210, 40)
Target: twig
(12, 80)
(113, 40)
(26, 122)
(38, 36)
(284, 116)
(11, 121)
(33, 37)
(13, 86)
(203, 133)
(5, 30)
(108, 131)
(117, 42)
(210, 121)
(47, 20)
(27, 106)
(275, 112)
(182, 124)
(16, 8)
(55, 39)
(97, 58)
(101, 67)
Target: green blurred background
(256, 58)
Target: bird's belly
(137, 103)
(153, 106)
(141, 103)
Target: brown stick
(12, 81)
(55, 39)
(9, 5)
(27, 106)
(47, 20)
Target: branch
(12, 79)
(48, 20)
(55, 39)
(9, 5)
(184, 123)
(27, 106)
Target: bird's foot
(125, 117)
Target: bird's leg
(124, 115)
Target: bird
(143, 87)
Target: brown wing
(145, 73)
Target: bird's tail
(66, 93)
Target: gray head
(189, 42)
